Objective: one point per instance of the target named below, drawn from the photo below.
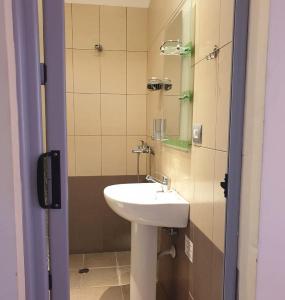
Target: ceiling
(129, 3)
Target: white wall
(271, 257)
(11, 251)
(252, 148)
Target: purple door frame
(54, 54)
(25, 21)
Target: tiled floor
(108, 277)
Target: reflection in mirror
(178, 102)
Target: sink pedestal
(143, 262)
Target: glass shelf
(176, 143)
(186, 96)
(175, 47)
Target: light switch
(197, 134)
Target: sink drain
(83, 271)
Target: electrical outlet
(189, 248)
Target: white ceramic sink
(147, 207)
(145, 203)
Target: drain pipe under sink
(171, 252)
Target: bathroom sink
(145, 203)
(147, 207)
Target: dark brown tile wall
(93, 226)
(202, 280)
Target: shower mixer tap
(143, 148)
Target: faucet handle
(142, 142)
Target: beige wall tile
(113, 24)
(85, 26)
(227, 21)
(88, 155)
(68, 25)
(70, 113)
(136, 72)
(87, 114)
(160, 13)
(136, 114)
(177, 166)
(201, 208)
(86, 71)
(205, 100)
(156, 61)
(71, 155)
(69, 70)
(137, 29)
(113, 114)
(113, 72)
(133, 142)
(207, 36)
(221, 162)
(224, 97)
(114, 155)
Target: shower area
(106, 72)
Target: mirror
(178, 52)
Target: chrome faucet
(164, 182)
(142, 148)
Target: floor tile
(75, 261)
(106, 259)
(124, 273)
(124, 258)
(100, 277)
(102, 293)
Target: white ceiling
(129, 3)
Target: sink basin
(146, 206)
(145, 203)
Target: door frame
(25, 19)
(239, 64)
(29, 78)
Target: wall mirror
(178, 52)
